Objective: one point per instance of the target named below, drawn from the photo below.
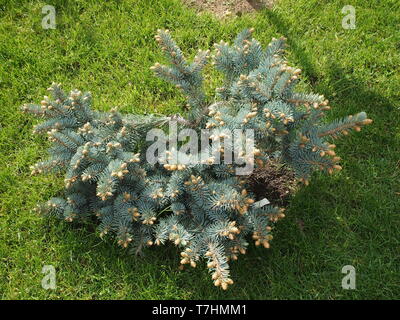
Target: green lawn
(107, 47)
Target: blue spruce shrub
(204, 208)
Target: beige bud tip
(120, 174)
(367, 121)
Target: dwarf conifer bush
(204, 207)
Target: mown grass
(107, 47)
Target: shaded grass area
(107, 48)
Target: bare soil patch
(274, 181)
(225, 8)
